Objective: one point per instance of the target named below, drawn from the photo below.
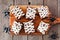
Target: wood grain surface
(58, 16)
(4, 20)
(54, 6)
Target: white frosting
(30, 13)
(17, 11)
(43, 11)
(29, 27)
(43, 27)
(16, 27)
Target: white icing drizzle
(29, 27)
(43, 11)
(17, 11)
(30, 13)
(16, 27)
(43, 27)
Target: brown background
(54, 6)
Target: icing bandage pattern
(43, 27)
(29, 27)
(16, 27)
(43, 11)
(30, 13)
(17, 11)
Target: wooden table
(54, 6)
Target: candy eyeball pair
(43, 11)
(30, 13)
(17, 11)
(43, 27)
(16, 27)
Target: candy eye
(42, 9)
(43, 24)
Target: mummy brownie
(30, 13)
(29, 27)
(17, 11)
(43, 27)
(43, 11)
(16, 27)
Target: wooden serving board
(36, 21)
